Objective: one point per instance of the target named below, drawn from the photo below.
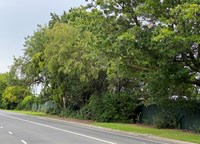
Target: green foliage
(73, 53)
(67, 113)
(111, 108)
(119, 107)
(170, 81)
(179, 113)
(94, 109)
(13, 95)
(26, 103)
(3, 84)
(167, 120)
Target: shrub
(111, 108)
(93, 109)
(119, 107)
(66, 112)
(167, 119)
(51, 111)
(13, 96)
(26, 103)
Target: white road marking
(10, 132)
(1, 127)
(110, 132)
(24, 142)
(55, 128)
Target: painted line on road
(24, 142)
(1, 127)
(55, 128)
(10, 133)
(109, 131)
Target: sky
(19, 18)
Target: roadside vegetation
(113, 61)
(187, 136)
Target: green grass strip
(165, 133)
(30, 113)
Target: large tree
(159, 40)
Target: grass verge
(165, 133)
(30, 113)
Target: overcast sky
(19, 18)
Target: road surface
(25, 129)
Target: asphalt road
(24, 129)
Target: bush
(13, 96)
(68, 113)
(86, 113)
(51, 111)
(167, 120)
(111, 108)
(26, 103)
(119, 108)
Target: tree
(33, 63)
(3, 82)
(13, 95)
(179, 39)
(152, 35)
(70, 58)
